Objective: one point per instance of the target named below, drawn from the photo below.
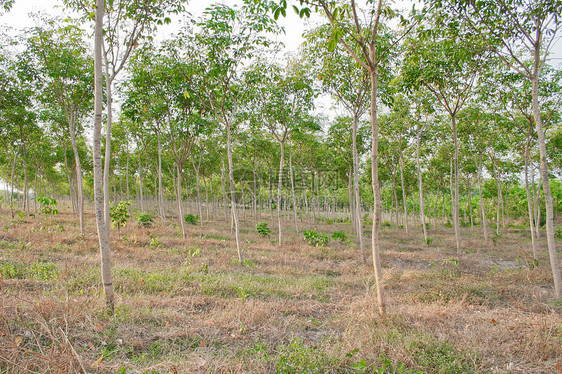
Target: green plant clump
(263, 230)
(47, 205)
(145, 219)
(191, 219)
(315, 239)
(339, 236)
(119, 214)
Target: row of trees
(454, 130)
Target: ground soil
(188, 306)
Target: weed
(191, 219)
(263, 230)
(440, 357)
(119, 214)
(315, 239)
(339, 236)
(299, 358)
(154, 241)
(145, 219)
(41, 271)
(47, 205)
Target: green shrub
(145, 219)
(262, 229)
(315, 239)
(339, 236)
(119, 214)
(191, 219)
(47, 205)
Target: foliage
(191, 219)
(47, 205)
(145, 219)
(119, 214)
(315, 239)
(339, 236)
(263, 229)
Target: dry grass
(187, 306)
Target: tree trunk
(279, 186)
(482, 209)
(404, 199)
(161, 210)
(546, 185)
(529, 199)
(79, 181)
(356, 190)
(420, 182)
(179, 200)
(107, 160)
(232, 192)
(293, 197)
(456, 194)
(141, 182)
(224, 197)
(103, 230)
(376, 192)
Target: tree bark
(103, 230)
(232, 192)
(293, 197)
(529, 199)
(356, 189)
(279, 186)
(79, 180)
(420, 182)
(482, 209)
(546, 185)
(456, 194)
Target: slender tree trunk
(545, 182)
(255, 192)
(498, 201)
(350, 195)
(107, 160)
(179, 200)
(141, 182)
(232, 192)
(161, 210)
(482, 209)
(25, 186)
(356, 189)
(279, 186)
(197, 187)
(79, 181)
(395, 198)
(103, 230)
(420, 182)
(403, 185)
(456, 202)
(224, 197)
(469, 192)
(529, 199)
(293, 197)
(376, 192)
(68, 178)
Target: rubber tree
(348, 83)
(282, 100)
(522, 34)
(447, 61)
(228, 37)
(362, 32)
(66, 70)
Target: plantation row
(463, 118)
